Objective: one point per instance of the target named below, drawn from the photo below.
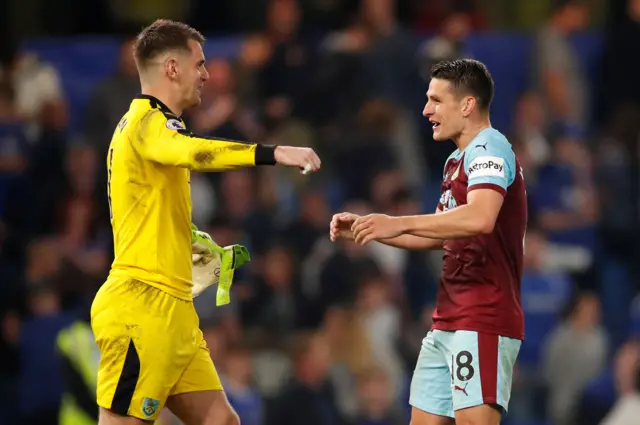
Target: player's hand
(340, 227)
(304, 158)
(375, 227)
(202, 246)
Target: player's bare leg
(485, 414)
(203, 408)
(420, 417)
(107, 417)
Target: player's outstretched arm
(477, 217)
(167, 142)
(340, 228)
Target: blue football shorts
(461, 369)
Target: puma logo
(461, 389)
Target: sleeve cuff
(493, 186)
(265, 154)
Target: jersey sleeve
(165, 140)
(490, 165)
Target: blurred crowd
(321, 333)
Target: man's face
(578, 16)
(444, 110)
(192, 74)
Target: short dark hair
(163, 35)
(468, 75)
(559, 5)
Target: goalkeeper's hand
(202, 246)
(213, 264)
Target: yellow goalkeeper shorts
(151, 348)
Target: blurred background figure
(575, 353)
(316, 331)
(627, 373)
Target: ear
(468, 105)
(171, 68)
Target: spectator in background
(370, 147)
(40, 398)
(446, 44)
(574, 353)
(220, 112)
(253, 56)
(341, 88)
(564, 199)
(392, 76)
(545, 293)
(351, 354)
(38, 90)
(390, 56)
(338, 274)
(626, 411)
(429, 15)
(310, 225)
(276, 307)
(531, 134)
(13, 142)
(285, 76)
(380, 318)
(559, 76)
(82, 228)
(109, 101)
(616, 161)
(236, 378)
(309, 399)
(377, 405)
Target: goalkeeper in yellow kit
(152, 351)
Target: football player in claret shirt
(465, 367)
(153, 354)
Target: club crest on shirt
(174, 124)
(447, 200)
(150, 407)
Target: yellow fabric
(149, 163)
(172, 353)
(70, 414)
(77, 344)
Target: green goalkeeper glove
(214, 264)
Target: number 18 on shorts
(461, 369)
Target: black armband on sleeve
(265, 154)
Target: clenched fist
(304, 158)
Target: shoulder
(157, 118)
(490, 143)
(490, 156)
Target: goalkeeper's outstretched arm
(164, 141)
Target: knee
(234, 419)
(229, 417)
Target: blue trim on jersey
(489, 159)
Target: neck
(470, 133)
(164, 95)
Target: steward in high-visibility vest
(79, 357)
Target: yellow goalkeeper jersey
(149, 163)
